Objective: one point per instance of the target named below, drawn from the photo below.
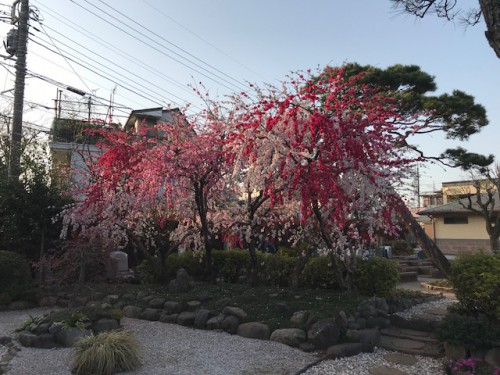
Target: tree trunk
(491, 15)
(494, 244)
(428, 246)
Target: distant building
(454, 228)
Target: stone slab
(410, 334)
(401, 359)
(386, 370)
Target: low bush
(376, 277)
(230, 265)
(401, 247)
(15, 277)
(106, 353)
(319, 272)
(277, 270)
(192, 262)
(476, 281)
(469, 331)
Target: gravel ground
(168, 349)
(423, 307)
(362, 363)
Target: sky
(147, 52)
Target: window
(456, 220)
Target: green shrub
(286, 251)
(401, 247)
(469, 331)
(277, 270)
(476, 281)
(192, 262)
(15, 276)
(229, 265)
(319, 272)
(107, 353)
(376, 277)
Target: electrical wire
(203, 39)
(167, 41)
(113, 63)
(218, 80)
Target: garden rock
(193, 304)
(219, 304)
(169, 318)
(186, 318)
(307, 347)
(172, 307)
(182, 283)
(300, 317)
(386, 370)
(150, 314)
(55, 328)
(43, 341)
(230, 324)
(348, 349)
(68, 337)
(131, 311)
(254, 330)
(401, 359)
(365, 336)
(201, 318)
(492, 357)
(235, 311)
(215, 322)
(311, 320)
(341, 321)
(156, 303)
(324, 334)
(105, 324)
(88, 304)
(289, 336)
(42, 328)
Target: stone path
(395, 358)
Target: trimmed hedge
(376, 277)
(476, 281)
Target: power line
(203, 39)
(96, 70)
(167, 41)
(157, 49)
(112, 62)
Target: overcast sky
(155, 48)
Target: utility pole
(17, 119)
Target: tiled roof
(459, 206)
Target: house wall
(455, 239)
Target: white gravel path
(362, 363)
(168, 349)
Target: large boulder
(105, 324)
(300, 317)
(150, 314)
(324, 334)
(156, 302)
(201, 319)
(68, 337)
(364, 336)
(172, 307)
(254, 330)
(215, 322)
(131, 311)
(230, 324)
(186, 318)
(235, 311)
(289, 336)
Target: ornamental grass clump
(106, 353)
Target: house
(456, 229)
(72, 147)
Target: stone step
(408, 269)
(410, 334)
(405, 277)
(410, 346)
(425, 322)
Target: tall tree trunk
(428, 246)
(491, 15)
(494, 244)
